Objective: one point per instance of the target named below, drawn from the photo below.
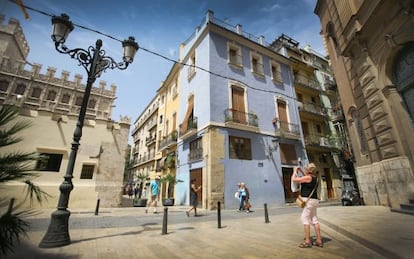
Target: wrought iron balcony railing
(245, 118)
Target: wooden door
(328, 180)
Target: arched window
(403, 76)
(360, 131)
(36, 92)
(4, 85)
(65, 98)
(51, 95)
(20, 89)
(92, 104)
(78, 101)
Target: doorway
(197, 175)
(289, 195)
(328, 180)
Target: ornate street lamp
(95, 62)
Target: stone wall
(388, 183)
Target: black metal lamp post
(95, 62)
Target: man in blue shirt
(155, 190)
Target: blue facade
(212, 96)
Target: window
(174, 88)
(20, 89)
(234, 55)
(196, 150)
(92, 104)
(78, 101)
(36, 92)
(191, 68)
(4, 85)
(65, 98)
(276, 72)
(360, 131)
(49, 162)
(87, 171)
(240, 148)
(256, 63)
(51, 95)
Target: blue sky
(157, 25)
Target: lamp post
(95, 62)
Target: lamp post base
(58, 232)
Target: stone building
(371, 49)
(52, 106)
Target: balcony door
(238, 106)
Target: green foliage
(171, 180)
(15, 166)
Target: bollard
(97, 207)
(218, 215)
(164, 221)
(266, 214)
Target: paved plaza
(348, 232)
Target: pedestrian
(155, 190)
(129, 191)
(136, 190)
(308, 191)
(193, 198)
(244, 196)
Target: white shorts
(309, 215)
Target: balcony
(195, 155)
(307, 82)
(284, 129)
(317, 140)
(313, 109)
(150, 140)
(188, 128)
(167, 141)
(337, 114)
(241, 120)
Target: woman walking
(193, 198)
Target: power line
(172, 60)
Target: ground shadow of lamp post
(95, 62)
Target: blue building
(238, 117)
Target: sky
(157, 25)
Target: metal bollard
(97, 207)
(218, 215)
(266, 214)
(164, 221)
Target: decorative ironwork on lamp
(95, 62)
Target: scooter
(350, 195)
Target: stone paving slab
(348, 232)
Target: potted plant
(171, 180)
(140, 201)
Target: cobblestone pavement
(348, 232)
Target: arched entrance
(403, 76)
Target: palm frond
(34, 191)
(7, 114)
(12, 227)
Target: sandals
(318, 244)
(305, 245)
